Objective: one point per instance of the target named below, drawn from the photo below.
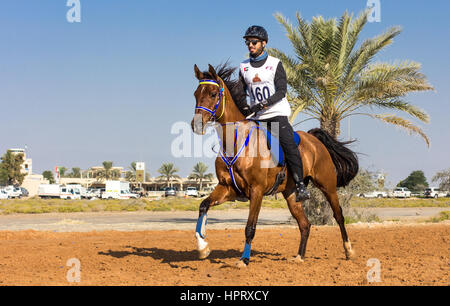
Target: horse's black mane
(236, 88)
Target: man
(264, 79)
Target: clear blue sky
(111, 87)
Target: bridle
(213, 112)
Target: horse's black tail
(344, 159)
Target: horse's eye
(213, 95)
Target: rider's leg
(285, 134)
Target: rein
(213, 112)
(230, 160)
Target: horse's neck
(232, 135)
(229, 122)
(231, 112)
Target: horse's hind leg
(298, 213)
(332, 197)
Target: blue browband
(214, 111)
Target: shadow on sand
(172, 256)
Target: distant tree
(48, 175)
(133, 167)
(76, 173)
(443, 177)
(107, 173)
(3, 176)
(12, 168)
(416, 181)
(167, 172)
(62, 171)
(199, 173)
(131, 174)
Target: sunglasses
(253, 42)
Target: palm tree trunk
(331, 126)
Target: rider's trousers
(280, 128)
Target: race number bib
(260, 93)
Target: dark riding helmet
(257, 31)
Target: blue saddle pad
(275, 146)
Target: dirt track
(409, 255)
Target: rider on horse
(264, 78)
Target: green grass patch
(392, 202)
(37, 206)
(443, 216)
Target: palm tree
(330, 79)
(168, 172)
(107, 169)
(131, 174)
(106, 173)
(76, 172)
(62, 171)
(199, 173)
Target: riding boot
(300, 189)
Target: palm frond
(404, 124)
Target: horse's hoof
(349, 253)
(241, 265)
(202, 254)
(296, 259)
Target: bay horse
(327, 162)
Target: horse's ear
(213, 72)
(198, 73)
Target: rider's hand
(246, 111)
(256, 108)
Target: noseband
(213, 112)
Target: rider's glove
(258, 107)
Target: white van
(118, 190)
(46, 191)
(70, 193)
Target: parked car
(93, 193)
(13, 192)
(25, 192)
(3, 194)
(192, 192)
(401, 192)
(374, 194)
(434, 192)
(170, 191)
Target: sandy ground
(408, 255)
(181, 220)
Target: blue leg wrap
(247, 249)
(201, 223)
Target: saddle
(275, 147)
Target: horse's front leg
(256, 197)
(219, 195)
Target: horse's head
(209, 95)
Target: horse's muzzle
(197, 124)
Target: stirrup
(301, 193)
